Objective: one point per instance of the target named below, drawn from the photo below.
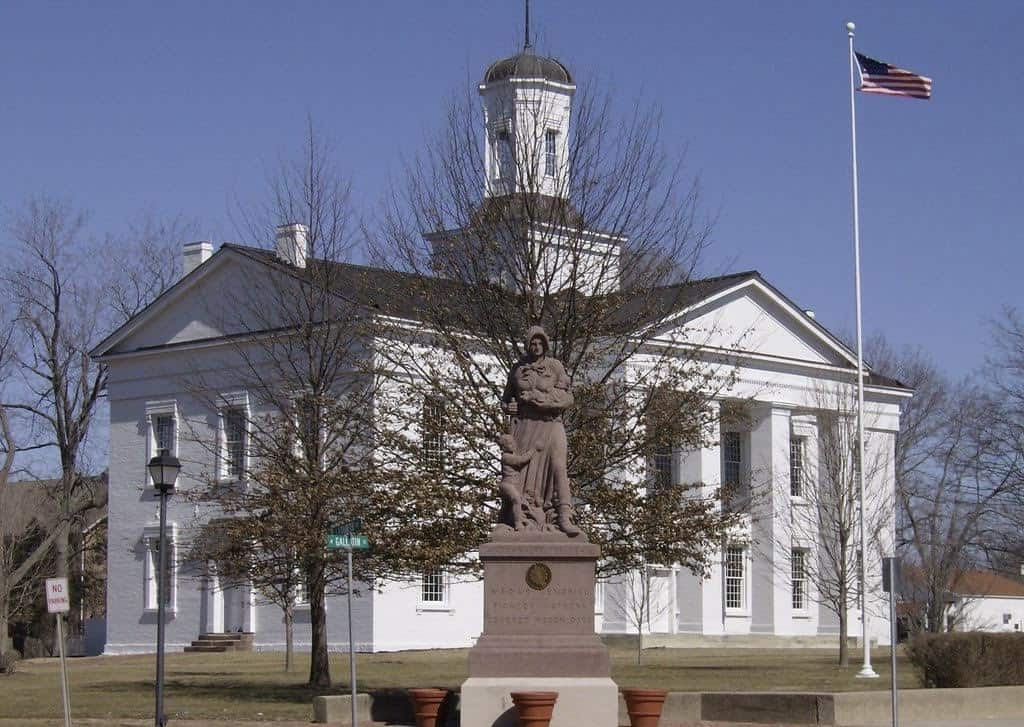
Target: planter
(644, 706)
(534, 708)
(426, 703)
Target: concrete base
(336, 709)
(590, 701)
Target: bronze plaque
(538, 576)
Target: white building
(985, 601)
(784, 358)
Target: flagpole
(866, 672)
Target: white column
(770, 604)
(695, 593)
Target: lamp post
(163, 470)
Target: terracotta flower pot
(644, 706)
(426, 703)
(534, 708)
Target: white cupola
(527, 100)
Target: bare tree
(20, 562)
(254, 551)
(58, 313)
(306, 362)
(59, 289)
(151, 263)
(952, 504)
(821, 537)
(640, 600)
(1003, 378)
(596, 240)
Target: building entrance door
(236, 608)
(212, 620)
(226, 607)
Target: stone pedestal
(539, 634)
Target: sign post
(345, 537)
(58, 603)
(890, 582)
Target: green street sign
(355, 542)
(350, 528)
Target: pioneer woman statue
(538, 391)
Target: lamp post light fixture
(163, 470)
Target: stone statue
(535, 482)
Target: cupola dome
(527, 65)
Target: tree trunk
(844, 627)
(289, 642)
(3, 624)
(319, 665)
(934, 616)
(62, 546)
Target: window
(301, 593)
(151, 540)
(309, 426)
(798, 566)
(163, 430)
(661, 468)
(549, 152)
(1007, 617)
(161, 422)
(796, 466)
(599, 589)
(234, 443)
(735, 592)
(434, 446)
(506, 159)
(855, 461)
(732, 458)
(433, 590)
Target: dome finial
(526, 44)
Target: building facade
(786, 365)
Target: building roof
(27, 503)
(30, 503)
(407, 295)
(527, 64)
(985, 583)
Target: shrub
(971, 659)
(35, 648)
(8, 663)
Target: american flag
(879, 77)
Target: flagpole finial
(850, 27)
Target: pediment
(215, 300)
(754, 318)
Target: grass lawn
(254, 686)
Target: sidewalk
(51, 722)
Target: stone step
(219, 642)
(206, 649)
(226, 636)
(229, 645)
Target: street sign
(355, 542)
(350, 528)
(891, 575)
(57, 600)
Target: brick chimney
(292, 244)
(195, 254)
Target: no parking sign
(57, 600)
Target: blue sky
(181, 107)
